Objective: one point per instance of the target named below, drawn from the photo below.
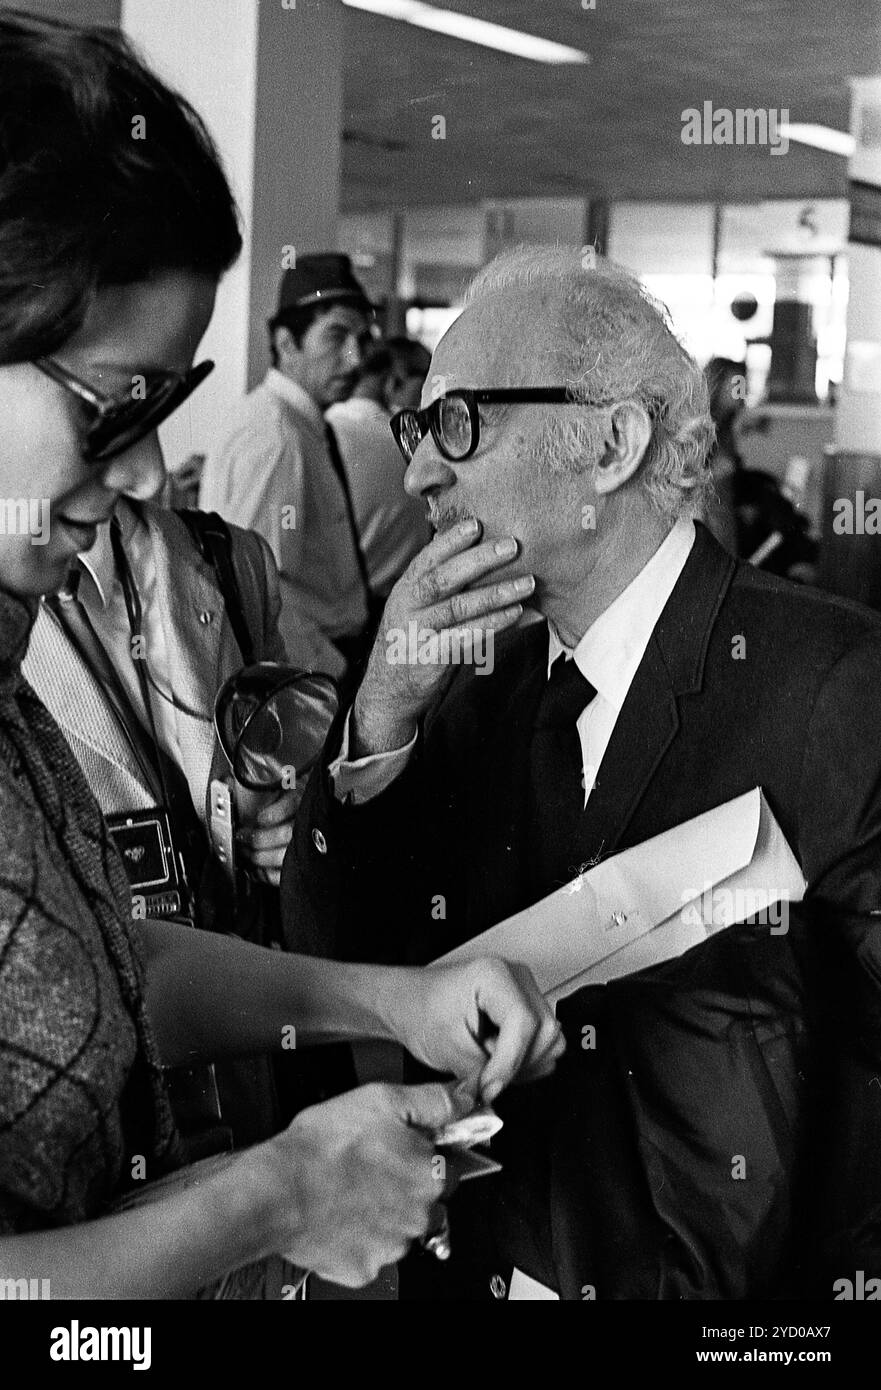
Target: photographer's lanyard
(176, 796)
(135, 622)
(193, 1089)
(71, 614)
(165, 781)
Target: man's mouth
(441, 520)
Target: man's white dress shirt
(611, 650)
(273, 475)
(608, 656)
(392, 525)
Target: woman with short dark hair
(111, 246)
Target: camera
(154, 867)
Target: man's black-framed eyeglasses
(116, 423)
(454, 418)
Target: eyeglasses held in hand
(454, 419)
(272, 720)
(116, 423)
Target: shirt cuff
(365, 778)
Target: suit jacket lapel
(192, 614)
(649, 720)
(645, 729)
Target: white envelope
(654, 901)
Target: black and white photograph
(440, 673)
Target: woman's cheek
(32, 569)
(40, 444)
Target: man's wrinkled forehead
(510, 338)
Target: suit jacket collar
(673, 666)
(609, 652)
(682, 635)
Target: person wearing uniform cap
(278, 470)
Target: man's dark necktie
(557, 777)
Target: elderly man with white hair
(561, 454)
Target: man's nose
(428, 470)
(139, 472)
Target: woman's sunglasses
(454, 419)
(116, 423)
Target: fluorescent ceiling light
(462, 26)
(821, 137)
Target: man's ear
(626, 440)
(284, 343)
(390, 386)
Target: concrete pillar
(858, 418)
(266, 77)
(395, 307)
(851, 553)
(792, 378)
(84, 12)
(297, 147)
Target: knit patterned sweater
(81, 1092)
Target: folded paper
(653, 901)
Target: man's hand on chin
(485, 1020)
(447, 591)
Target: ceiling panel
(516, 128)
(101, 12)
(613, 127)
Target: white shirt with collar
(608, 656)
(273, 474)
(609, 653)
(392, 525)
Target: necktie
(339, 469)
(557, 776)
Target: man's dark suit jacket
(621, 1172)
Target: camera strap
(135, 622)
(70, 613)
(193, 1090)
(166, 782)
(176, 796)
